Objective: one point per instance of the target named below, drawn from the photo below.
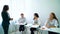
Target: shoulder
(3, 13)
(39, 20)
(54, 20)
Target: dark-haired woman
(36, 22)
(52, 22)
(6, 19)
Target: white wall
(29, 7)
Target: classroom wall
(29, 7)
(44, 8)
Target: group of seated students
(52, 22)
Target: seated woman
(36, 22)
(52, 22)
(22, 20)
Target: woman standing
(6, 19)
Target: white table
(56, 30)
(31, 25)
(20, 23)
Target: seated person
(36, 22)
(52, 22)
(22, 20)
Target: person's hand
(11, 18)
(35, 24)
(43, 28)
(48, 26)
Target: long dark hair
(54, 17)
(36, 14)
(5, 8)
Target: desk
(20, 23)
(56, 30)
(31, 25)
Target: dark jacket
(5, 17)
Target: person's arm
(25, 21)
(9, 17)
(46, 24)
(19, 20)
(52, 27)
(49, 26)
(5, 16)
(55, 24)
(39, 22)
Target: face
(51, 16)
(22, 15)
(35, 16)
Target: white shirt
(52, 23)
(22, 20)
(37, 22)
